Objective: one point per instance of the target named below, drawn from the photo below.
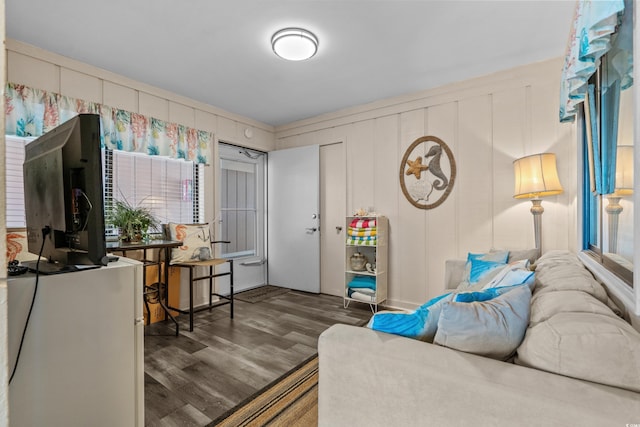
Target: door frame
(323, 215)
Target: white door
(292, 218)
(333, 202)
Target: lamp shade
(294, 44)
(536, 176)
(624, 170)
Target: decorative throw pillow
(491, 327)
(420, 324)
(515, 273)
(481, 268)
(196, 242)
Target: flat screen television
(63, 196)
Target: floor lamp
(624, 187)
(536, 176)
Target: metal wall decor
(427, 185)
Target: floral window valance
(593, 32)
(33, 112)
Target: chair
(197, 252)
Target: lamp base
(613, 209)
(536, 211)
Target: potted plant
(132, 222)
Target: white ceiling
(218, 51)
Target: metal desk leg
(190, 299)
(231, 286)
(166, 288)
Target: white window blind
(170, 188)
(14, 156)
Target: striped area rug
(291, 401)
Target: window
(14, 153)
(608, 156)
(172, 189)
(242, 201)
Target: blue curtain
(593, 25)
(602, 36)
(609, 133)
(593, 139)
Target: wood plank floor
(192, 379)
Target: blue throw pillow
(483, 295)
(420, 324)
(483, 266)
(515, 273)
(497, 256)
(480, 269)
(492, 328)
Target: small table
(163, 246)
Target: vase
(358, 261)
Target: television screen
(64, 206)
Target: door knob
(312, 229)
(338, 229)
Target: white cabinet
(82, 358)
(369, 237)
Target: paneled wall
(487, 122)
(4, 362)
(41, 69)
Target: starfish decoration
(416, 167)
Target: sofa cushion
(492, 328)
(588, 346)
(547, 304)
(558, 257)
(563, 271)
(530, 255)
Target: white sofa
(578, 345)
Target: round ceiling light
(294, 44)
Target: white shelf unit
(376, 254)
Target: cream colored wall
(488, 123)
(4, 366)
(41, 69)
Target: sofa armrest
(368, 378)
(453, 272)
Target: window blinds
(172, 189)
(14, 156)
(165, 186)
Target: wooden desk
(164, 247)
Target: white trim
(613, 283)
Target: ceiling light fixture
(294, 44)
